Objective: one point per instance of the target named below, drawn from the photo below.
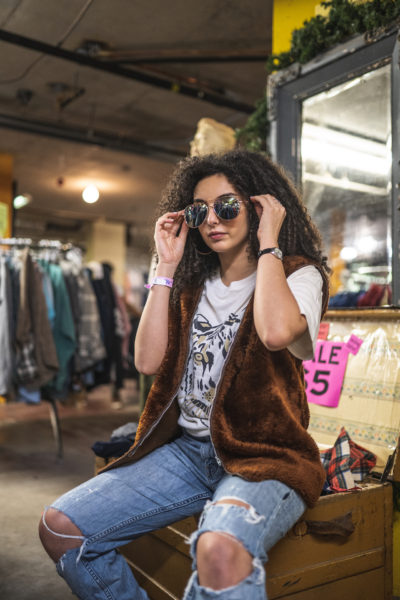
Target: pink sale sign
(325, 372)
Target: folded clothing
(117, 447)
(120, 442)
(345, 464)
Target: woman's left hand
(271, 214)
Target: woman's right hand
(169, 245)
(152, 335)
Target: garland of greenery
(345, 18)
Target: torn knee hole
(230, 503)
(66, 535)
(234, 501)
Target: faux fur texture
(260, 413)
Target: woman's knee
(222, 560)
(58, 533)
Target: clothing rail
(45, 245)
(15, 242)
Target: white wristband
(160, 281)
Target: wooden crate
(302, 566)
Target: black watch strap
(275, 251)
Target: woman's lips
(216, 235)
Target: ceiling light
(90, 194)
(21, 201)
(348, 253)
(367, 244)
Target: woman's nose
(212, 216)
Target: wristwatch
(275, 251)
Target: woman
(234, 308)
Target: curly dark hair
(251, 173)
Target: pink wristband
(160, 281)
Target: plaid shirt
(90, 344)
(345, 464)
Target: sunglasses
(225, 207)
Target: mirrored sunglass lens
(227, 209)
(195, 214)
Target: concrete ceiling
(68, 124)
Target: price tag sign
(323, 331)
(325, 372)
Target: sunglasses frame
(208, 206)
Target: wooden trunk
(302, 566)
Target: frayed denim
(175, 481)
(273, 508)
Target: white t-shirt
(214, 327)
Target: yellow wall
(6, 178)
(291, 14)
(106, 243)
(287, 16)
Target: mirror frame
(288, 88)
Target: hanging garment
(63, 330)
(124, 329)
(49, 296)
(14, 266)
(70, 271)
(102, 285)
(6, 326)
(36, 352)
(26, 366)
(90, 349)
(376, 295)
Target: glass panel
(346, 175)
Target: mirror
(346, 158)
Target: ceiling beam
(90, 136)
(125, 58)
(100, 50)
(164, 82)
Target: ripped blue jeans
(179, 479)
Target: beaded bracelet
(160, 281)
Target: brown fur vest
(260, 413)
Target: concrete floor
(31, 477)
